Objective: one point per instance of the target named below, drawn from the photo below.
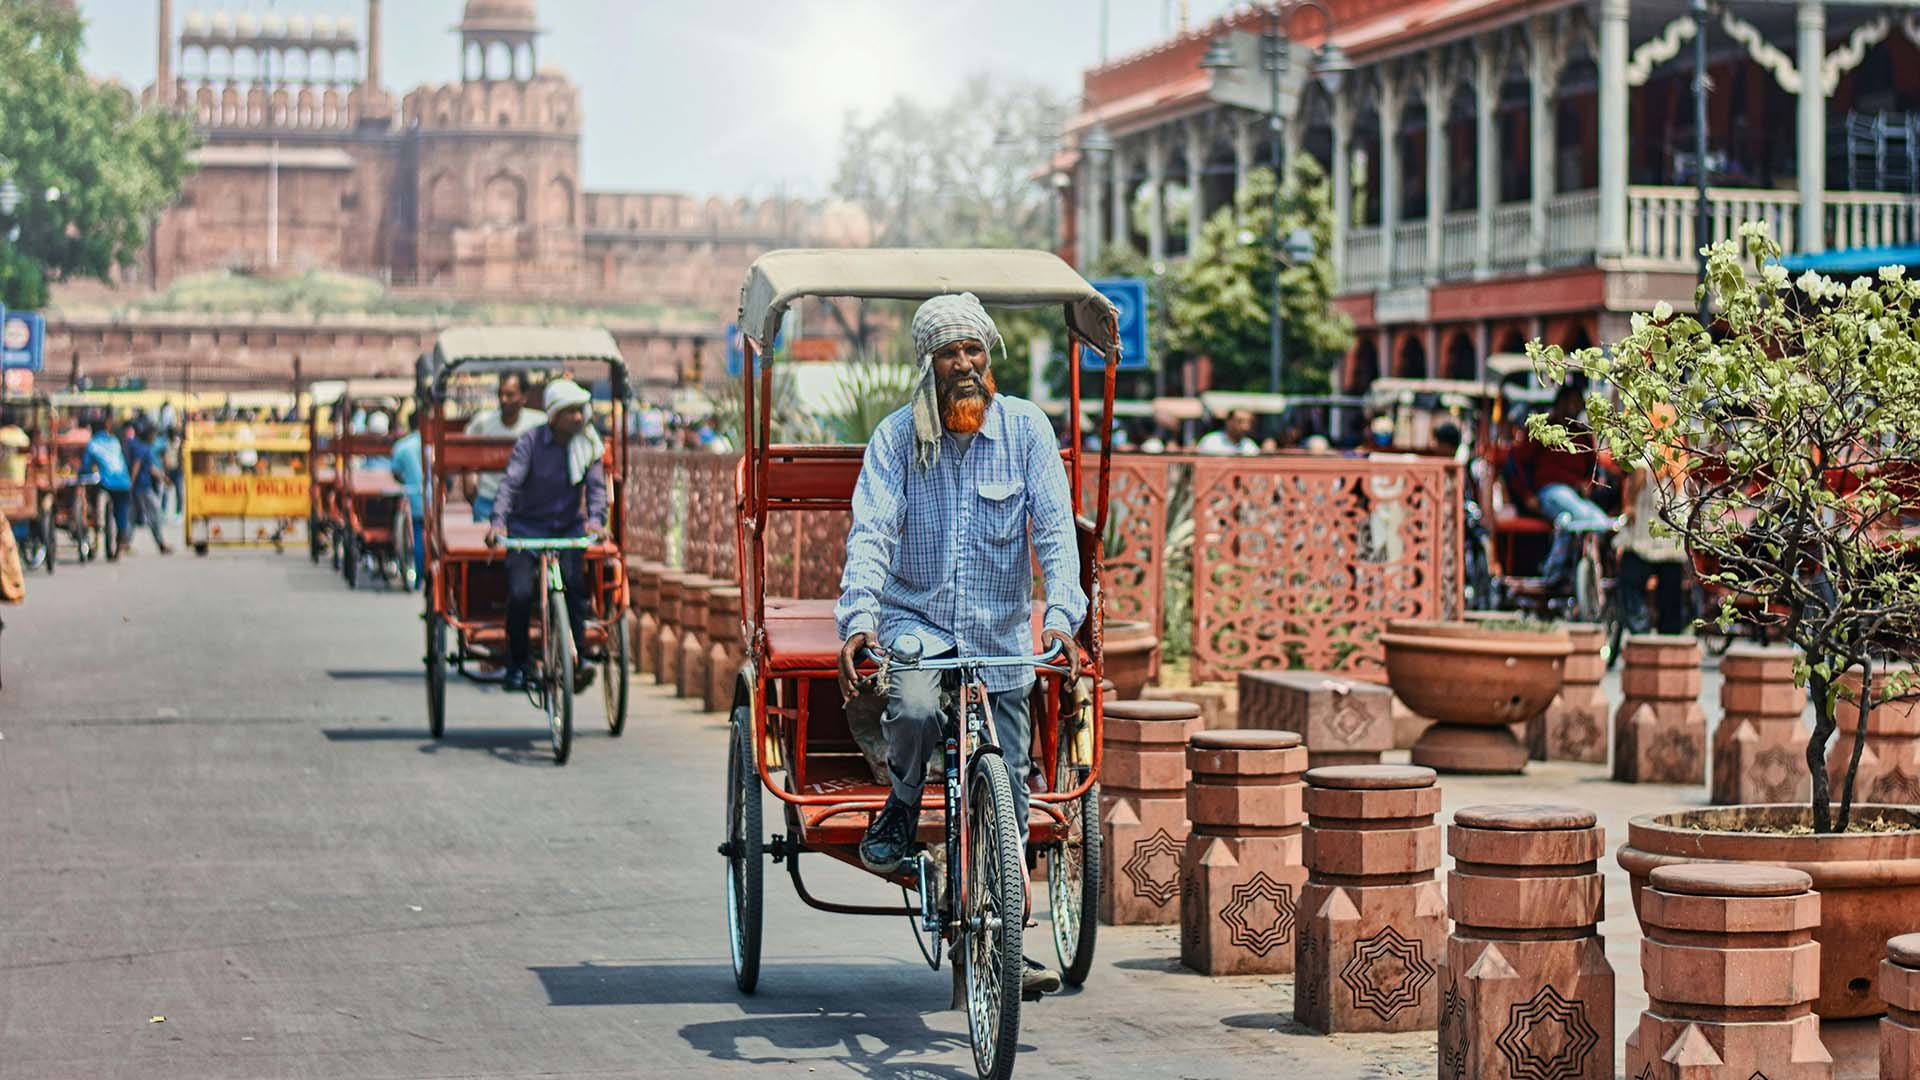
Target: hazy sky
(719, 96)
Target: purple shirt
(538, 500)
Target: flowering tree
(1785, 446)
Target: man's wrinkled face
(512, 397)
(567, 422)
(963, 380)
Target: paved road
(220, 807)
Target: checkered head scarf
(940, 321)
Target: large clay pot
(1129, 651)
(1869, 883)
(1473, 682)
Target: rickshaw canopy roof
(330, 391)
(1391, 387)
(1000, 278)
(470, 344)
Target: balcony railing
(1661, 232)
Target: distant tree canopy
(92, 168)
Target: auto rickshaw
(790, 732)
(466, 588)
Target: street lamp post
(1330, 65)
(1700, 225)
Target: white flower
(1812, 284)
(1892, 273)
(1875, 331)
(1858, 287)
(1662, 311)
(1774, 275)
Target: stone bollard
(646, 607)
(1143, 809)
(1242, 869)
(1219, 703)
(1373, 927)
(1890, 764)
(690, 675)
(1900, 1028)
(726, 654)
(1732, 972)
(1526, 989)
(1659, 733)
(666, 643)
(1344, 721)
(1760, 746)
(1575, 725)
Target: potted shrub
(1474, 680)
(1781, 447)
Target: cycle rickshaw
(26, 480)
(788, 718)
(466, 586)
(371, 521)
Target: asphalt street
(230, 849)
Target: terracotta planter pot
(1869, 884)
(1129, 657)
(1473, 682)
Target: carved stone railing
(1409, 253)
(1512, 237)
(1363, 270)
(1459, 244)
(1573, 221)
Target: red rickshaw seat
(802, 634)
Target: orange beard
(964, 416)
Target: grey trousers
(913, 721)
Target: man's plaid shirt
(943, 552)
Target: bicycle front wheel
(559, 676)
(1073, 877)
(992, 921)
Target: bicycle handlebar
(565, 543)
(872, 655)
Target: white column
(1389, 109)
(1812, 24)
(1612, 238)
(1243, 130)
(1342, 183)
(1542, 70)
(1121, 175)
(1157, 150)
(1092, 179)
(1486, 93)
(1196, 186)
(1437, 96)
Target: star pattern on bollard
(1894, 786)
(1387, 973)
(1348, 721)
(1547, 1038)
(1580, 734)
(1672, 756)
(1772, 775)
(1455, 1032)
(1260, 936)
(1154, 868)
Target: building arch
(504, 200)
(558, 208)
(1462, 361)
(1410, 356)
(445, 203)
(1363, 366)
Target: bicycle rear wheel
(992, 920)
(558, 644)
(613, 680)
(1073, 876)
(743, 850)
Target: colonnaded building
(467, 190)
(1502, 171)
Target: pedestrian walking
(173, 462)
(104, 464)
(409, 471)
(149, 472)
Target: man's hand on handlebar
(850, 680)
(1060, 643)
(494, 535)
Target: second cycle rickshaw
(466, 584)
(964, 894)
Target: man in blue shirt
(104, 464)
(555, 470)
(950, 490)
(409, 472)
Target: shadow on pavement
(866, 1016)
(515, 746)
(409, 674)
(1274, 1021)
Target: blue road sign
(1129, 296)
(23, 340)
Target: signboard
(1129, 296)
(22, 340)
(18, 382)
(248, 495)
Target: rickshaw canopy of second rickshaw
(476, 347)
(1000, 278)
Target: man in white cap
(554, 488)
(951, 488)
